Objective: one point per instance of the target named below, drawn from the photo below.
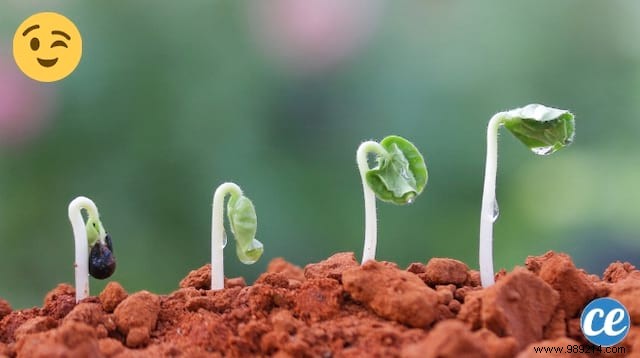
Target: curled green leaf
(542, 129)
(243, 222)
(94, 229)
(401, 174)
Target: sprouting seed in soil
(243, 222)
(543, 130)
(102, 262)
(399, 177)
(93, 246)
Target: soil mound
(334, 308)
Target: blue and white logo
(605, 322)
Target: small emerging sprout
(243, 222)
(90, 237)
(399, 178)
(543, 130)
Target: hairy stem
(488, 201)
(370, 228)
(217, 233)
(81, 264)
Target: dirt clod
(112, 295)
(441, 271)
(74, 339)
(618, 271)
(59, 301)
(136, 317)
(289, 270)
(319, 299)
(391, 293)
(200, 278)
(331, 267)
(93, 315)
(574, 287)
(274, 279)
(519, 305)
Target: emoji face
(47, 47)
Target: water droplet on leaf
(411, 198)
(543, 150)
(224, 239)
(496, 210)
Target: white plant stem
(81, 264)
(488, 201)
(217, 233)
(370, 228)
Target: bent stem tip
(243, 223)
(370, 228)
(217, 233)
(81, 265)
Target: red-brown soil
(334, 308)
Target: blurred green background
(173, 98)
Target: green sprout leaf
(542, 129)
(243, 222)
(251, 253)
(93, 231)
(401, 175)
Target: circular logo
(47, 47)
(605, 322)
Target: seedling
(243, 222)
(543, 130)
(399, 177)
(93, 246)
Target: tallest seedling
(542, 129)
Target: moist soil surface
(334, 308)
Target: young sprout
(90, 237)
(399, 177)
(543, 130)
(243, 223)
